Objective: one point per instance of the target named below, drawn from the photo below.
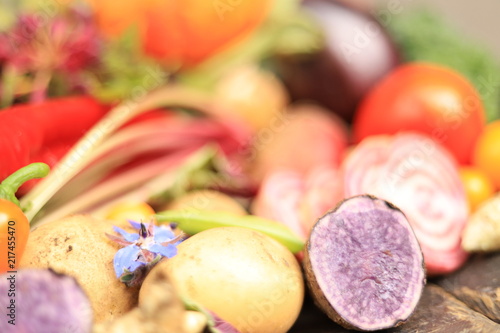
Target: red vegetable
(51, 154)
(420, 177)
(27, 129)
(304, 138)
(428, 99)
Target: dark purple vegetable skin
(356, 56)
(363, 264)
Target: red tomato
(181, 32)
(428, 99)
(14, 232)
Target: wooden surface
(477, 285)
(438, 310)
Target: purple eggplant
(357, 53)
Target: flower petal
(118, 240)
(126, 258)
(163, 234)
(127, 236)
(135, 225)
(166, 251)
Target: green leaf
(125, 72)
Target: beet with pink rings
(419, 176)
(364, 265)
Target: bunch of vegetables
(215, 166)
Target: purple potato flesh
(45, 301)
(364, 264)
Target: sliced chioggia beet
(419, 176)
(41, 300)
(363, 264)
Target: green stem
(191, 305)
(12, 183)
(82, 153)
(193, 221)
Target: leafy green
(124, 71)
(423, 35)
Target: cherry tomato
(14, 232)
(478, 186)
(426, 98)
(130, 210)
(486, 154)
(181, 32)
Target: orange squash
(181, 32)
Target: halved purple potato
(363, 264)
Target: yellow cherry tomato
(478, 186)
(14, 232)
(487, 152)
(131, 210)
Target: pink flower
(67, 42)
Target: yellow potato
(207, 200)
(247, 278)
(77, 246)
(254, 95)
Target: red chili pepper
(14, 226)
(27, 128)
(49, 155)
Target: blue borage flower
(142, 250)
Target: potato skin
(161, 311)
(247, 278)
(77, 246)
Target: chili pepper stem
(10, 185)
